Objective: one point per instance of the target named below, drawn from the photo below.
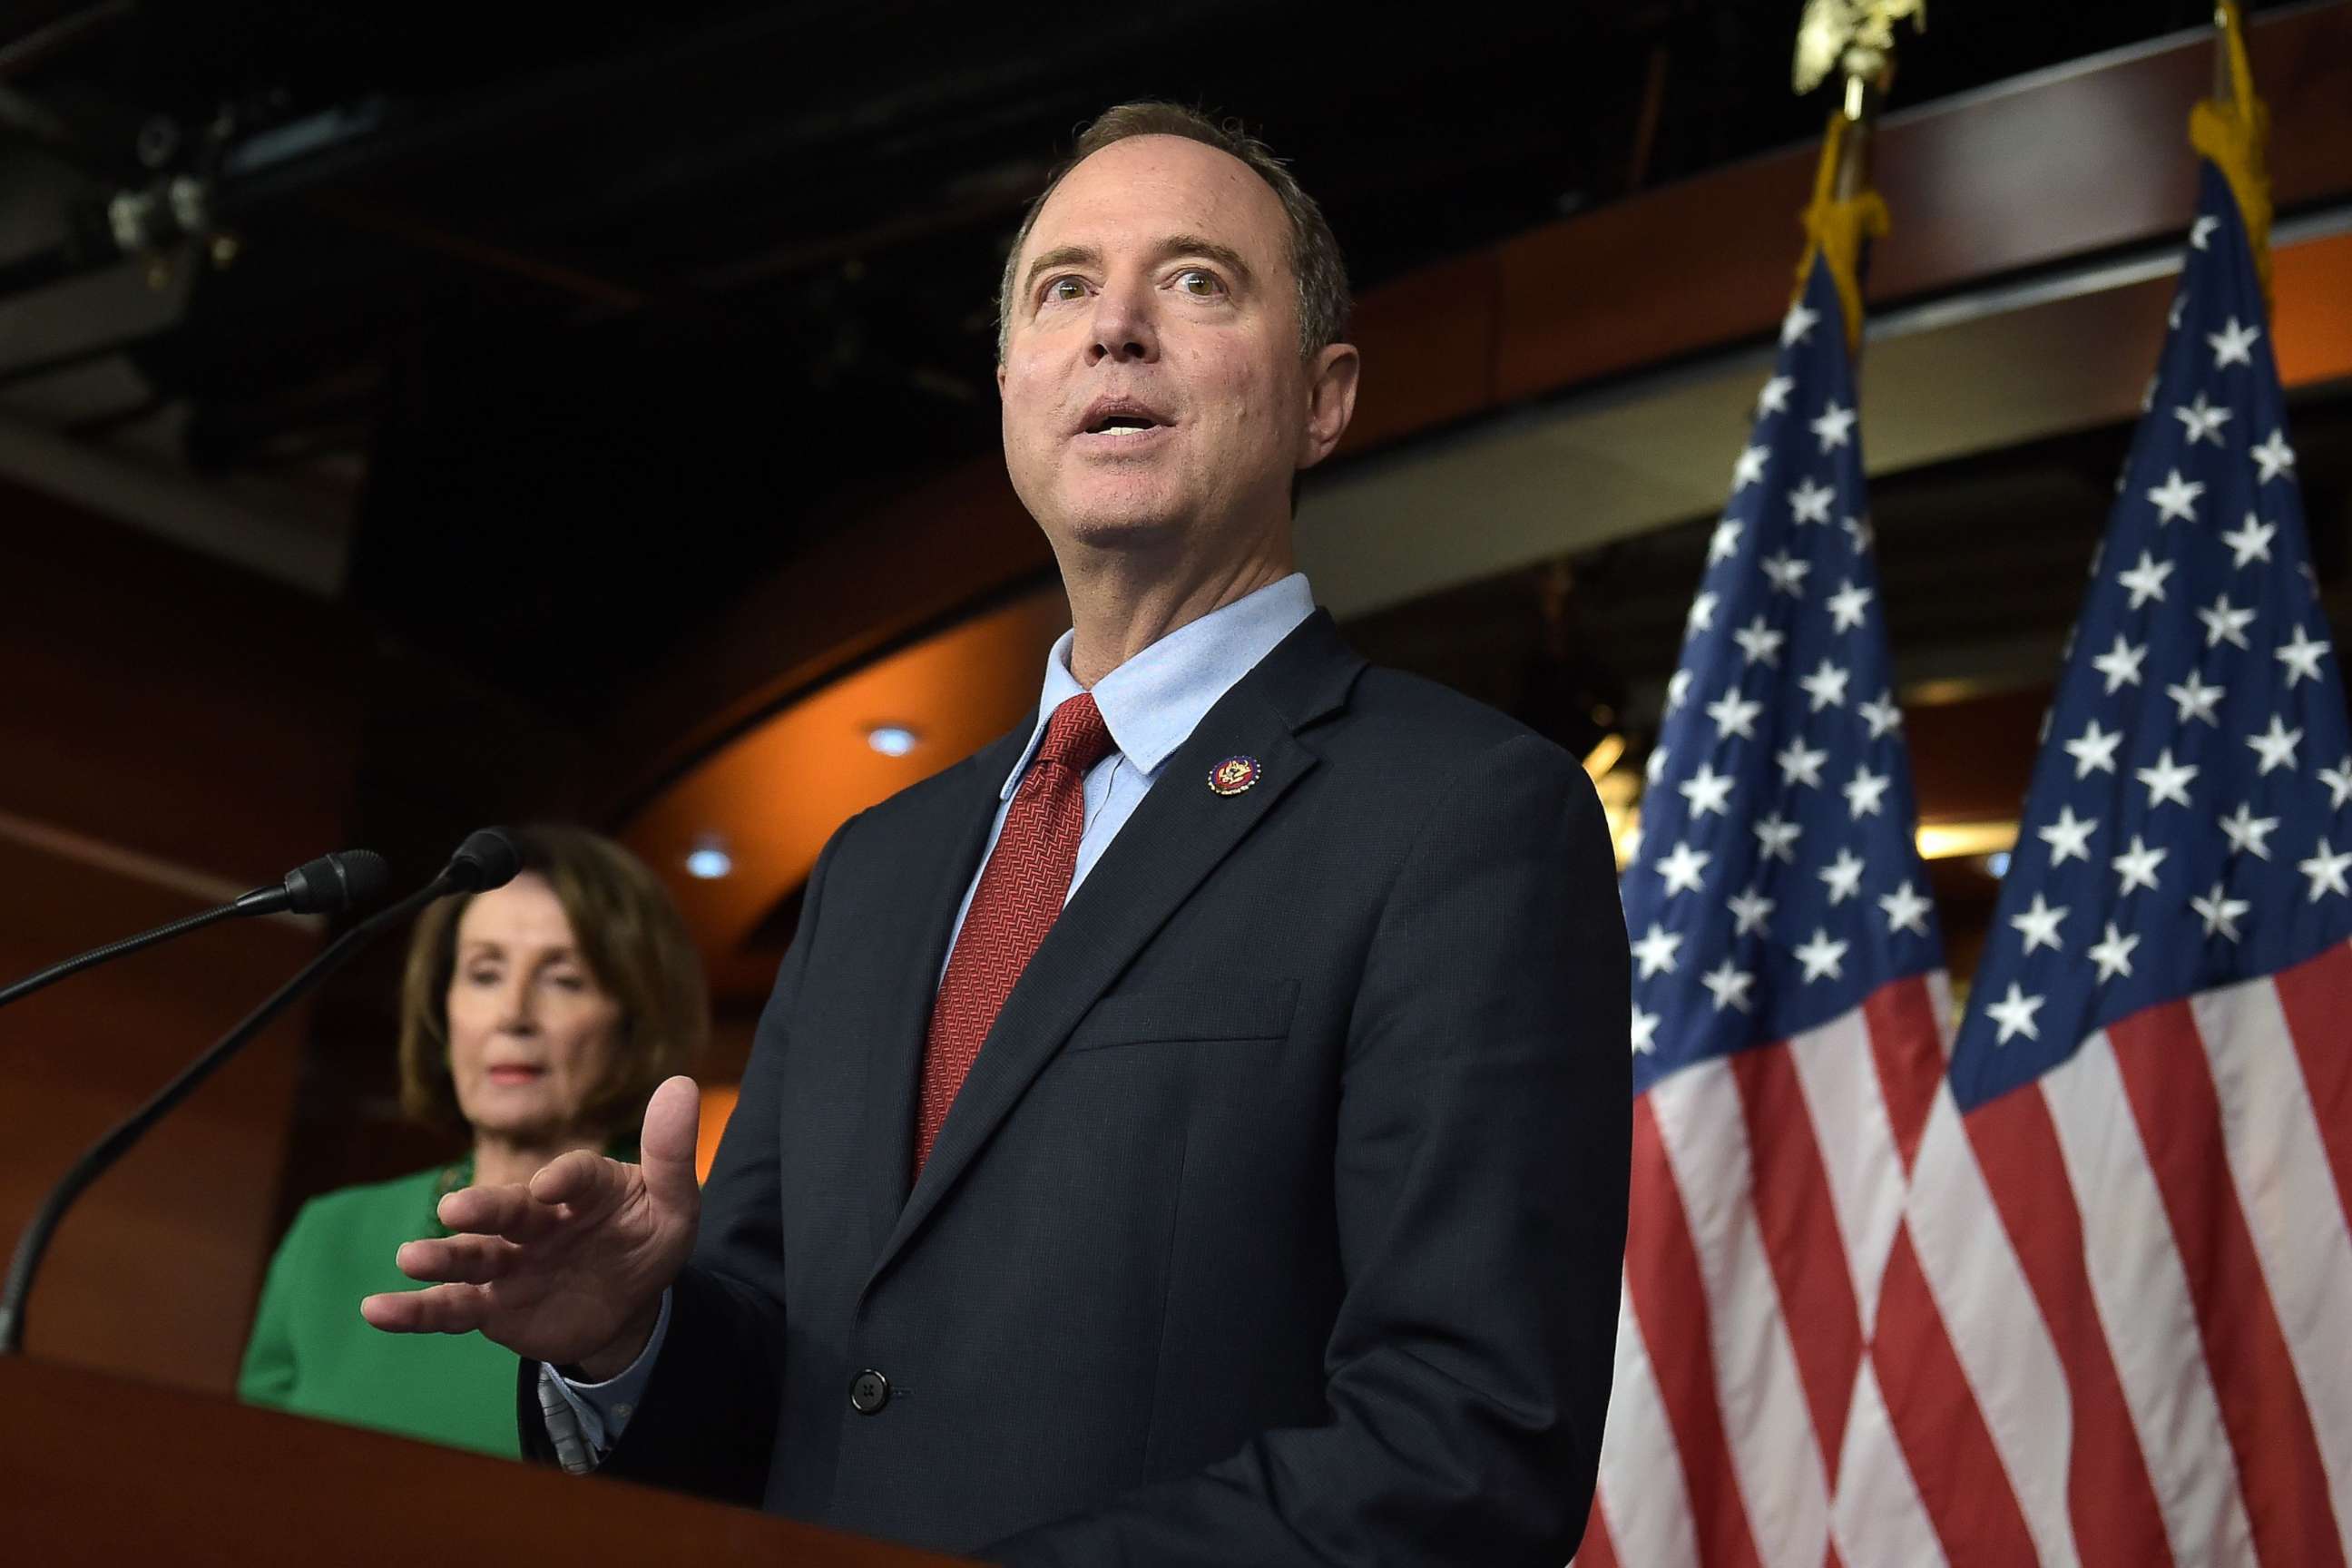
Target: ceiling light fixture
(708, 859)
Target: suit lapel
(1176, 836)
(938, 860)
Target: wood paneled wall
(169, 729)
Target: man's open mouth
(1120, 418)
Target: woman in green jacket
(538, 1017)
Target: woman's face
(532, 1029)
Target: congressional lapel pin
(1234, 775)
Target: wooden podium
(96, 1469)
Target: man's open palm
(571, 1268)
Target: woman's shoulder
(410, 1198)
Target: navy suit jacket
(1281, 1216)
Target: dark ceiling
(619, 313)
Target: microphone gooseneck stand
(350, 879)
(487, 859)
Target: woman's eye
(1199, 284)
(482, 977)
(568, 982)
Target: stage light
(1948, 840)
(891, 740)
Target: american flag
(1787, 998)
(2129, 1306)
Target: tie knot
(1075, 735)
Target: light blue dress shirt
(1152, 704)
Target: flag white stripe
(1996, 1328)
(1765, 1417)
(1642, 1488)
(2288, 1193)
(1838, 1079)
(2142, 1295)
(1877, 1513)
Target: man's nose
(1125, 328)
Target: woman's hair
(630, 938)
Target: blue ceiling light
(709, 861)
(891, 740)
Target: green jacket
(313, 1354)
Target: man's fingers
(456, 1259)
(443, 1309)
(506, 1211)
(578, 1178)
(673, 1118)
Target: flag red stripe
(1941, 1428)
(2109, 1498)
(1909, 1050)
(2170, 1086)
(1798, 1222)
(2317, 997)
(1670, 1308)
(1597, 1549)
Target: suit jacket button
(869, 1391)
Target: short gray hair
(1315, 261)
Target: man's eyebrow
(1168, 249)
(1062, 256)
(1224, 256)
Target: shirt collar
(1156, 700)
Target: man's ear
(999, 381)
(1330, 401)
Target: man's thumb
(673, 1118)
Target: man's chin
(1124, 528)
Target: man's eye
(1199, 284)
(1054, 290)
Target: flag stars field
(1734, 715)
(1835, 427)
(1906, 910)
(2176, 499)
(2113, 953)
(2251, 543)
(2248, 834)
(1810, 503)
(2202, 421)
(2275, 457)
(2069, 837)
(2234, 344)
(2194, 700)
(2328, 870)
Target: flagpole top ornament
(1855, 38)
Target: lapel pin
(1234, 775)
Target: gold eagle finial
(1854, 36)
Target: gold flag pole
(1855, 38)
(2232, 128)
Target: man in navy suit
(1195, 1129)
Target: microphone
(487, 859)
(350, 880)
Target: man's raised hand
(571, 1268)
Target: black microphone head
(487, 859)
(349, 879)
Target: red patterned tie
(1019, 897)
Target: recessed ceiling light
(708, 861)
(891, 740)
